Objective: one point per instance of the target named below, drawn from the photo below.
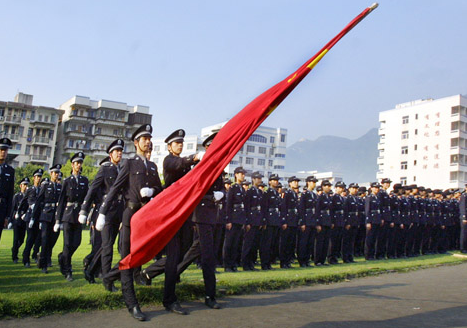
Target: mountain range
(354, 160)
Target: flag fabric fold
(157, 222)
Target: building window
(258, 138)
(51, 134)
(405, 120)
(454, 159)
(250, 149)
(28, 150)
(189, 146)
(404, 150)
(280, 155)
(262, 150)
(455, 110)
(416, 116)
(405, 134)
(18, 147)
(279, 167)
(416, 131)
(282, 137)
(21, 131)
(415, 163)
(272, 139)
(415, 147)
(414, 178)
(404, 181)
(271, 151)
(70, 143)
(453, 176)
(249, 161)
(261, 161)
(240, 160)
(271, 163)
(157, 148)
(403, 165)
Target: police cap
(339, 184)
(38, 172)
(293, 178)
(274, 177)
(78, 157)
(239, 170)
(5, 143)
(326, 183)
(116, 144)
(143, 130)
(56, 168)
(105, 160)
(24, 181)
(209, 140)
(386, 180)
(176, 136)
(311, 178)
(353, 185)
(256, 175)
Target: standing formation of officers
(230, 227)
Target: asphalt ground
(435, 297)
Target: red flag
(156, 223)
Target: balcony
(110, 121)
(39, 158)
(41, 140)
(41, 124)
(11, 119)
(12, 137)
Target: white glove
(56, 227)
(31, 223)
(100, 223)
(82, 218)
(10, 225)
(218, 195)
(146, 192)
(23, 216)
(32, 206)
(17, 216)
(40, 226)
(61, 226)
(200, 155)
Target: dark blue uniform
(254, 219)
(309, 219)
(323, 210)
(270, 237)
(350, 228)
(373, 217)
(33, 233)
(338, 217)
(289, 211)
(381, 243)
(19, 226)
(7, 190)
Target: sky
(198, 63)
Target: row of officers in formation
(236, 224)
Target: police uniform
(255, 220)
(271, 212)
(351, 222)
(401, 229)
(26, 206)
(288, 234)
(381, 243)
(71, 198)
(135, 174)
(361, 230)
(427, 230)
(323, 209)
(395, 222)
(44, 212)
(308, 221)
(373, 218)
(337, 213)
(99, 189)
(236, 215)
(19, 226)
(7, 186)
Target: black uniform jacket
(74, 189)
(47, 201)
(307, 209)
(271, 207)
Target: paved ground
(434, 297)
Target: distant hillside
(354, 159)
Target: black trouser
(306, 244)
(268, 237)
(287, 244)
(219, 232)
(249, 249)
(417, 242)
(463, 236)
(348, 242)
(322, 245)
(46, 241)
(381, 242)
(410, 239)
(33, 235)
(208, 257)
(231, 241)
(71, 241)
(19, 232)
(426, 238)
(96, 243)
(126, 276)
(370, 241)
(360, 240)
(401, 237)
(102, 260)
(391, 240)
(440, 240)
(53, 241)
(336, 244)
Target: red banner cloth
(157, 222)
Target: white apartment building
(424, 142)
(32, 130)
(91, 125)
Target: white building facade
(424, 142)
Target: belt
(339, 212)
(75, 204)
(308, 210)
(237, 206)
(256, 208)
(273, 209)
(375, 211)
(353, 213)
(134, 206)
(292, 211)
(325, 212)
(51, 205)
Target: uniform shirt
(289, 208)
(429, 211)
(235, 205)
(176, 167)
(46, 203)
(422, 218)
(385, 205)
(337, 210)
(462, 206)
(28, 202)
(351, 211)
(72, 195)
(7, 189)
(413, 209)
(395, 209)
(271, 207)
(133, 176)
(253, 200)
(307, 209)
(323, 209)
(373, 209)
(404, 206)
(14, 207)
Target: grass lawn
(28, 292)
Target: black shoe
(265, 267)
(303, 265)
(60, 263)
(15, 261)
(109, 286)
(136, 313)
(270, 267)
(49, 264)
(228, 270)
(176, 308)
(69, 277)
(27, 265)
(44, 270)
(89, 277)
(143, 279)
(211, 302)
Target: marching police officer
(19, 226)
(26, 207)
(100, 187)
(7, 184)
(138, 180)
(271, 211)
(308, 222)
(44, 212)
(71, 198)
(289, 211)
